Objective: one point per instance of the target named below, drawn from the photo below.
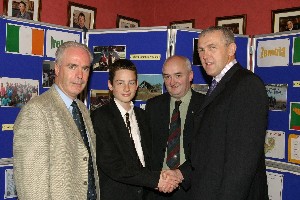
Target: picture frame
(76, 11)
(183, 24)
(284, 19)
(237, 23)
(33, 8)
(127, 22)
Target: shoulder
(197, 95)
(159, 99)
(103, 111)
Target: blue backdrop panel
(185, 46)
(279, 120)
(24, 67)
(138, 41)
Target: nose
(79, 73)
(172, 80)
(126, 87)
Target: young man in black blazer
(228, 148)
(121, 142)
(177, 73)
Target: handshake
(169, 180)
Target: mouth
(126, 95)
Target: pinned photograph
(16, 92)
(98, 98)
(295, 116)
(277, 95)
(104, 56)
(10, 187)
(48, 73)
(150, 85)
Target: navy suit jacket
(228, 147)
(122, 176)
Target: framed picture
(285, 19)
(25, 9)
(127, 22)
(81, 16)
(237, 23)
(183, 24)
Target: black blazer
(158, 117)
(122, 176)
(228, 146)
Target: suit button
(85, 159)
(85, 183)
(139, 191)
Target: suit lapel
(121, 129)
(221, 86)
(64, 113)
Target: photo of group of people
(104, 56)
(16, 92)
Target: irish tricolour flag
(24, 40)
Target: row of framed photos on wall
(287, 19)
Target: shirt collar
(67, 100)
(223, 72)
(185, 99)
(122, 110)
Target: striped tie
(173, 148)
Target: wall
(161, 13)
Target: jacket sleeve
(31, 154)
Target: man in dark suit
(177, 74)
(228, 147)
(122, 134)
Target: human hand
(169, 180)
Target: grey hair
(228, 35)
(185, 59)
(62, 48)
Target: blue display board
(29, 66)
(274, 58)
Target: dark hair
(226, 32)
(22, 2)
(81, 14)
(118, 65)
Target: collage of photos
(16, 92)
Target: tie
(213, 85)
(173, 148)
(128, 124)
(77, 116)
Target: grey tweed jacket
(50, 158)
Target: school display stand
(148, 48)
(276, 60)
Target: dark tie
(77, 116)
(173, 148)
(213, 85)
(128, 124)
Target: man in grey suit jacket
(177, 74)
(228, 147)
(50, 156)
